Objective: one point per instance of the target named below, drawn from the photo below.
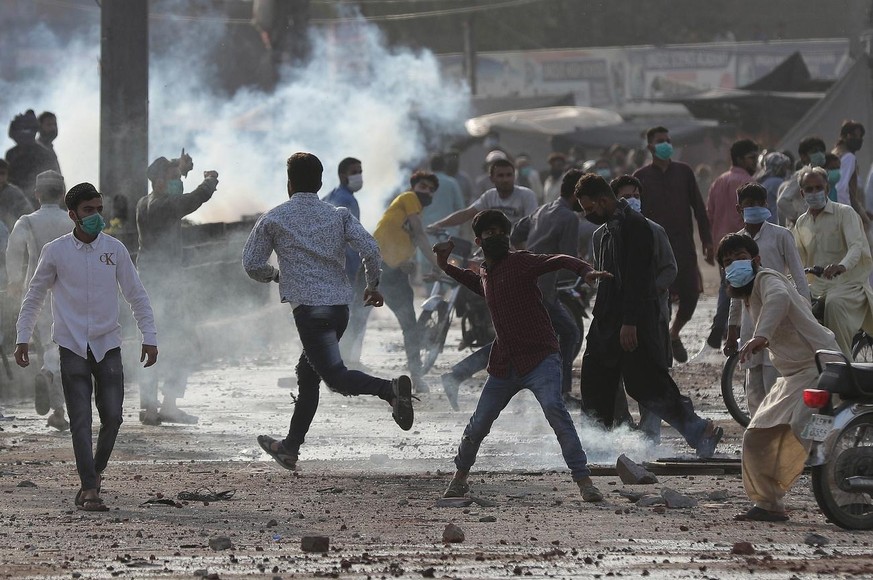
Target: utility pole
(470, 49)
(124, 104)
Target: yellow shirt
(392, 233)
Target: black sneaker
(41, 384)
(707, 444)
(402, 405)
(679, 352)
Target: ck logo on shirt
(107, 258)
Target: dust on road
(372, 489)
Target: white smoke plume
(355, 96)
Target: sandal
(280, 455)
(757, 514)
(93, 504)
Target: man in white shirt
(778, 251)
(830, 235)
(850, 142)
(514, 201)
(309, 237)
(84, 271)
(30, 233)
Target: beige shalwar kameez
(836, 236)
(773, 452)
(778, 252)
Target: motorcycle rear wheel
(852, 455)
(433, 326)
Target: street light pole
(124, 104)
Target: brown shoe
(589, 491)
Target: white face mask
(356, 182)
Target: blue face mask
(817, 159)
(175, 187)
(604, 173)
(664, 151)
(92, 224)
(739, 273)
(833, 177)
(816, 200)
(634, 203)
(756, 215)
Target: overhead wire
(471, 9)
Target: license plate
(818, 427)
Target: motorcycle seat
(848, 381)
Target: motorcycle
(841, 456)
(733, 383)
(448, 299)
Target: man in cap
(159, 225)
(483, 182)
(30, 233)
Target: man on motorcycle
(831, 235)
(773, 452)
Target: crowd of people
(623, 225)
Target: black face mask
(424, 199)
(854, 144)
(495, 247)
(596, 218)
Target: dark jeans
(649, 425)
(399, 297)
(320, 328)
(353, 339)
(648, 382)
(544, 382)
(569, 336)
(79, 377)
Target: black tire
(433, 326)
(862, 348)
(852, 455)
(733, 390)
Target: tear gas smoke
(354, 96)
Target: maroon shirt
(524, 331)
(668, 198)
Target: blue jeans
(320, 328)
(544, 382)
(79, 377)
(399, 297)
(569, 336)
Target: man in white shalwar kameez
(773, 451)
(778, 252)
(831, 235)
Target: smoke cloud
(355, 96)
